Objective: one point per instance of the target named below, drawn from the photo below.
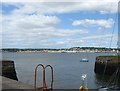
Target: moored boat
(84, 60)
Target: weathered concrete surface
(107, 65)
(10, 84)
(8, 69)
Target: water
(67, 68)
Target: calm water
(67, 68)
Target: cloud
(92, 22)
(102, 40)
(98, 36)
(37, 24)
(53, 0)
(103, 7)
(31, 21)
(26, 31)
(42, 39)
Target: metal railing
(44, 86)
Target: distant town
(63, 50)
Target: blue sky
(59, 24)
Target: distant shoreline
(65, 50)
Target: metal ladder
(44, 87)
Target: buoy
(83, 88)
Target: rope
(100, 44)
(113, 31)
(111, 79)
(104, 70)
(118, 76)
(115, 77)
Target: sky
(59, 24)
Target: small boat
(84, 60)
(105, 88)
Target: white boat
(84, 60)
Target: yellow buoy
(83, 88)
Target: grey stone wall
(8, 69)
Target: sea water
(67, 68)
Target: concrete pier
(13, 85)
(107, 65)
(8, 69)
